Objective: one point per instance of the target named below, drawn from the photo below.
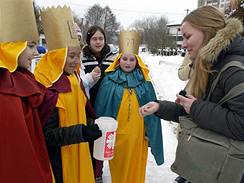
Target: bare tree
(103, 17)
(154, 32)
(95, 15)
(110, 25)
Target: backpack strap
(228, 65)
(234, 92)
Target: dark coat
(57, 137)
(227, 119)
(90, 62)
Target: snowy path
(163, 71)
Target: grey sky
(127, 11)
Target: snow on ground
(163, 71)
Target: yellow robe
(131, 146)
(76, 159)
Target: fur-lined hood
(223, 41)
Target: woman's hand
(148, 109)
(186, 102)
(96, 73)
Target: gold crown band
(129, 41)
(59, 28)
(17, 21)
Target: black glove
(91, 132)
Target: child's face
(73, 58)
(27, 55)
(127, 62)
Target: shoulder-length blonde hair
(208, 20)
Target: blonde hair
(237, 11)
(209, 20)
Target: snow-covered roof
(174, 24)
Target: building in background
(176, 36)
(174, 31)
(223, 5)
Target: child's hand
(148, 109)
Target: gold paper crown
(17, 21)
(129, 41)
(59, 28)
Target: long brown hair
(209, 20)
(237, 11)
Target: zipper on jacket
(189, 138)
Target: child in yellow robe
(124, 89)
(66, 131)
